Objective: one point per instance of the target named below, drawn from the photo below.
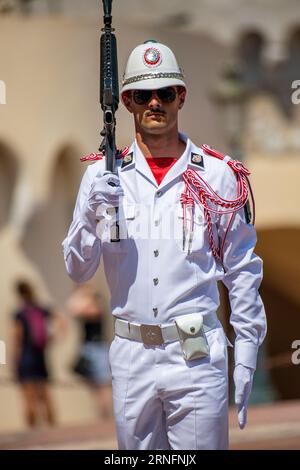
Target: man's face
(155, 115)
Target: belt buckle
(151, 335)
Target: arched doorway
(47, 228)
(250, 51)
(280, 290)
(8, 177)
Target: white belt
(157, 335)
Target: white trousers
(163, 402)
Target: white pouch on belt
(191, 336)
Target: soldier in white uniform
(169, 354)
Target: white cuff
(245, 353)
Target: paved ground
(275, 426)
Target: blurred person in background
(32, 333)
(92, 365)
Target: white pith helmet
(150, 66)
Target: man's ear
(126, 99)
(181, 96)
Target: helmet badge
(152, 57)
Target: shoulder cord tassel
(196, 189)
(188, 205)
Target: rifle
(109, 99)
(109, 87)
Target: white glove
(243, 378)
(104, 193)
(105, 189)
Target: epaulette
(213, 152)
(235, 165)
(92, 157)
(123, 152)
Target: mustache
(156, 111)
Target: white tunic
(152, 279)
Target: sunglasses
(166, 95)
